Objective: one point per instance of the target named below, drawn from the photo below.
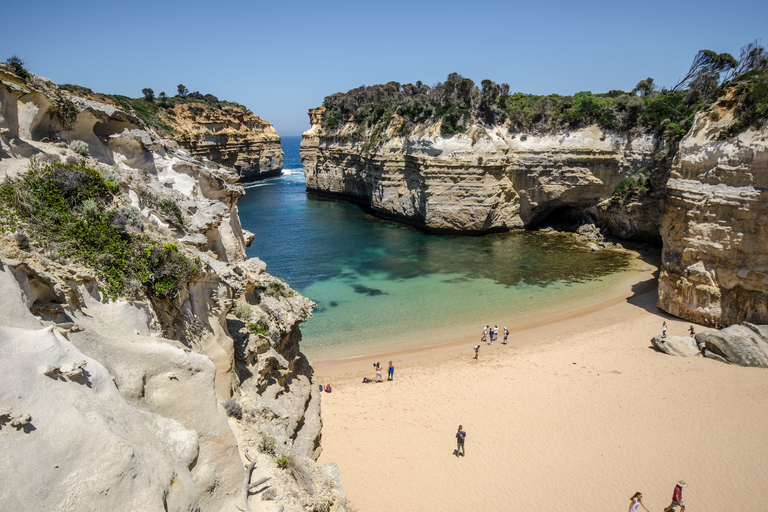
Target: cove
(382, 286)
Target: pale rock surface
(484, 180)
(683, 346)
(715, 260)
(120, 405)
(745, 344)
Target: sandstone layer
(487, 179)
(231, 136)
(145, 403)
(715, 258)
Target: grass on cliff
(71, 212)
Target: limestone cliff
(715, 259)
(487, 179)
(147, 402)
(231, 136)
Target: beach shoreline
(577, 414)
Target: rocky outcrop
(231, 136)
(682, 346)
(487, 179)
(715, 260)
(149, 403)
(744, 345)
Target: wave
(289, 172)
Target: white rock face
(121, 405)
(83, 443)
(715, 260)
(484, 180)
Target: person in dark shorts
(460, 436)
(391, 371)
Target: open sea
(382, 286)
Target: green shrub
(752, 103)
(243, 311)
(80, 147)
(259, 327)
(267, 444)
(282, 462)
(66, 208)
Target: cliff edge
(148, 365)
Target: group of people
(494, 335)
(636, 501)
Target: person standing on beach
(391, 371)
(506, 335)
(460, 435)
(495, 335)
(485, 334)
(636, 501)
(378, 373)
(477, 350)
(664, 329)
(677, 497)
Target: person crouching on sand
(636, 501)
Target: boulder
(745, 344)
(683, 346)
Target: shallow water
(384, 286)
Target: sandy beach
(575, 413)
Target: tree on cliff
(706, 72)
(182, 90)
(148, 93)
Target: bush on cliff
(458, 102)
(70, 211)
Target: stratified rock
(745, 344)
(484, 180)
(232, 136)
(715, 261)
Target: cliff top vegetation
(158, 111)
(73, 212)
(459, 102)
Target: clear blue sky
(281, 58)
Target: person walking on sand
(391, 371)
(692, 331)
(677, 497)
(477, 350)
(495, 334)
(636, 501)
(460, 435)
(485, 334)
(664, 329)
(506, 335)
(378, 373)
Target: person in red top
(677, 497)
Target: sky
(281, 58)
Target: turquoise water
(381, 286)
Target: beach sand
(576, 413)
